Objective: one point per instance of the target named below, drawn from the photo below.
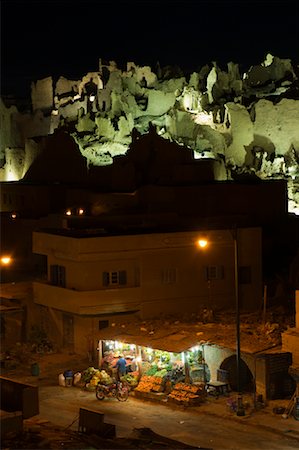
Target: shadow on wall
(60, 161)
(246, 378)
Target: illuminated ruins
(246, 122)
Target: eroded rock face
(249, 121)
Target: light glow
(68, 212)
(6, 260)
(202, 243)
(204, 118)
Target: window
(214, 272)
(103, 324)
(169, 275)
(115, 278)
(245, 275)
(57, 275)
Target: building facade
(93, 277)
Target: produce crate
(187, 394)
(149, 383)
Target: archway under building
(229, 365)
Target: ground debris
(148, 439)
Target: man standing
(121, 367)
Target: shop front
(199, 360)
(169, 371)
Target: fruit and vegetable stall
(174, 377)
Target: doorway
(246, 377)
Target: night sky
(40, 38)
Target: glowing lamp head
(5, 260)
(202, 243)
(68, 212)
(80, 211)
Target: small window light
(68, 212)
(80, 211)
(92, 98)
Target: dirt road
(61, 406)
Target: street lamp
(240, 408)
(202, 242)
(5, 260)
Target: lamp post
(203, 243)
(240, 408)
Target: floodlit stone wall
(42, 94)
(249, 121)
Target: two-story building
(95, 276)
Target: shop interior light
(194, 349)
(118, 345)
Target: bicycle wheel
(122, 394)
(100, 393)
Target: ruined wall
(249, 121)
(42, 94)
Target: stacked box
(187, 394)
